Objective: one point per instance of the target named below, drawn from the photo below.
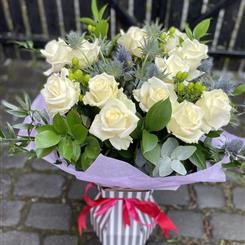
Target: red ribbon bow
(129, 209)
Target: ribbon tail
(126, 219)
(166, 224)
(82, 219)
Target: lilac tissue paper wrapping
(124, 175)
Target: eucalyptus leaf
(165, 166)
(46, 139)
(153, 156)
(168, 146)
(178, 167)
(183, 152)
(149, 141)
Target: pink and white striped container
(110, 228)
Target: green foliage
(199, 158)
(199, 31)
(153, 30)
(149, 141)
(158, 116)
(46, 139)
(239, 90)
(74, 39)
(99, 25)
(171, 156)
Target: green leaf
(2, 134)
(101, 29)
(59, 124)
(46, 139)
(188, 32)
(94, 9)
(84, 163)
(23, 126)
(165, 166)
(201, 29)
(11, 131)
(153, 156)
(44, 128)
(92, 149)
(149, 141)
(158, 116)
(76, 151)
(102, 11)
(42, 152)
(239, 90)
(137, 133)
(214, 134)
(168, 147)
(65, 148)
(79, 132)
(198, 158)
(232, 164)
(73, 118)
(178, 167)
(183, 152)
(88, 21)
(10, 106)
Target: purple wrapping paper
(111, 172)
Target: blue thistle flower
(122, 55)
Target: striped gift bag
(109, 227)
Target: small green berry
(161, 45)
(75, 61)
(172, 30)
(91, 28)
(71, 76)
(190, 85)
(87, 77)
(78, 74)
(181, 87)
(184, 75)
(179, 75)
(163, 35)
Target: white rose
(171, 65)
(174, 41)
(186, 122)
(192, 52)
(217, 109)
(87, 53)
(133, 40)
(153, 91)
(60, 94)
(115, 122)
(57, 54)
(102, 87)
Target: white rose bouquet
(145, 97)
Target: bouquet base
(110, 228)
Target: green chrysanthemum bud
(75, 61)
